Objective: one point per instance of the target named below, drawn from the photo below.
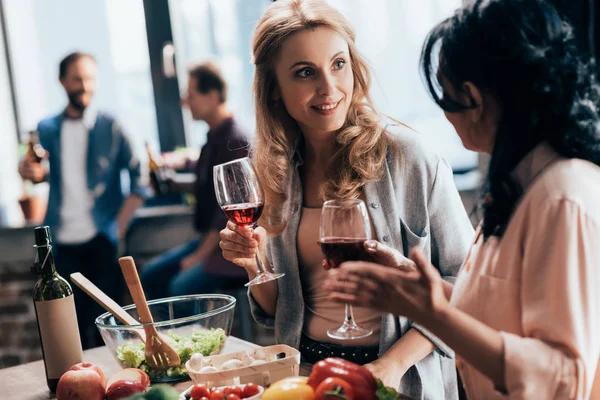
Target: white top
(76, 223)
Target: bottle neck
(44, 262)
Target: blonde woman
(319, 137)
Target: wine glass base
(349, 331)
(263, 278)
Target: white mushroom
(197, 361)
(208, 369)
(231, 364)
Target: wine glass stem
(349, 315)
(259, 263)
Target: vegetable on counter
(386, 393)
(204, 365)
(201, 391)
(360, 379)
(157, 392)
(338, 379)
(293, 388)
(333, 389)
(204, 342)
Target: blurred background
(143, 49)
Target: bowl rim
(173, 299)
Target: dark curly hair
(524, 55)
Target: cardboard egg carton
(280, 361)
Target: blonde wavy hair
(361, 143)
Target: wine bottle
(55, 312)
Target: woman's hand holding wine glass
(345, 226)
(240, 196)
(240, 245)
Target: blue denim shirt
(109, 152)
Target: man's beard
(74, 100)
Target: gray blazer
(415, 203)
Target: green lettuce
(204, 342)
(386, 393)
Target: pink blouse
(540, 285)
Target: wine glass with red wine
(345, 226)
(240, 196)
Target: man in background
(87, 210)
(199, 266)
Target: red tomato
(333, 389)
(217, 394)
(199, 391)
(233, 390)
(233, 397)
(251, 389)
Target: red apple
(83, 384)
(129, 374)
(123, 389)
(88, 365)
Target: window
(389, 34)
(10, 182)
(42, 32)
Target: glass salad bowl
(190, 324)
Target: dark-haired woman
(524, 315)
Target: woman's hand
(389, 372)
(388, 256)
(384, 255)
(239, 245)
(417, 294)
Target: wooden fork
(159, 354)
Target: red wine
(244, 214)
(338, 250)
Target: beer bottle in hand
(35, 151)
(158, 178)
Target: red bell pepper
(371, 381)
(360, 378)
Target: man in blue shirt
(87, 209)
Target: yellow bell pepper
(293, 388)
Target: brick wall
(19, 338)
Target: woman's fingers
(423, 265)
(351, 299)
(227, 235)
(375, 272)
(240, 230)
(349, 283)
(387, 256)
(381, 253)
(233, 247)
(237, 258)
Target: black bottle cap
(42, 235)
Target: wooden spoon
(159, 354)
(109, 304)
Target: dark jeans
(163, 276)
(97, 260)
